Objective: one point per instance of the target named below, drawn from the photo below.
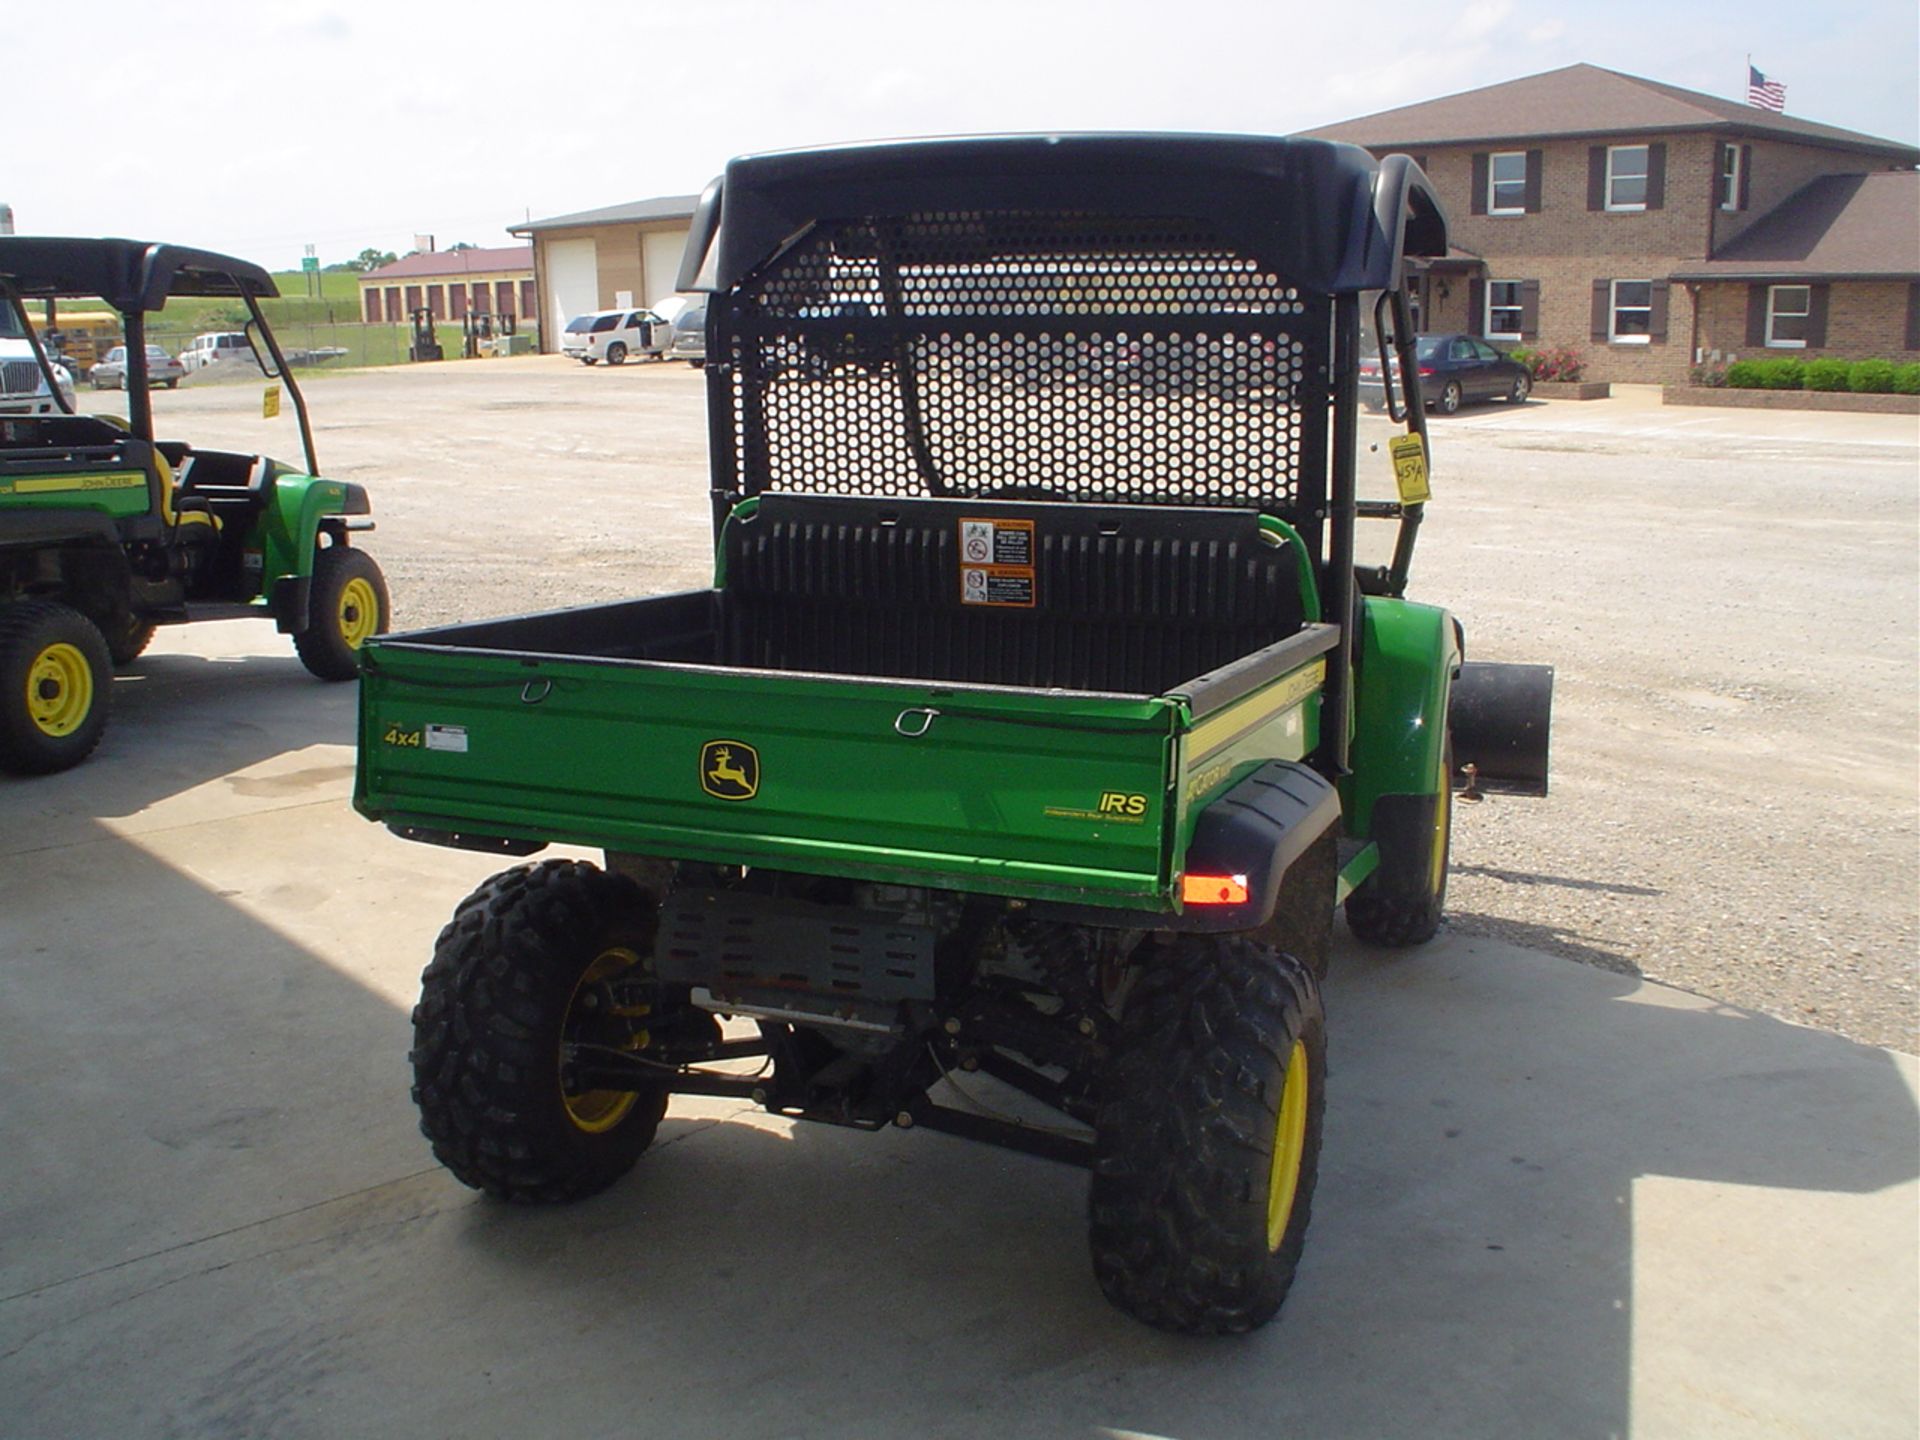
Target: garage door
(573, 285)
(660, 253)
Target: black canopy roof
(1327, 216)
(128, 274)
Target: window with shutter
(1506, 310)
(1632, 313)
(1789, 308)
(1628, 167)
(1507, 183)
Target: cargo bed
(838, 706)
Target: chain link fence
(317, 346)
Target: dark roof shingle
(1587, 100)
(661, 207)
(456, 262)
(1853, 227)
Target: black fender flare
(1253, 833)
(1258, 829)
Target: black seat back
(1123, 599)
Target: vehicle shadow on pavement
(1563, 882)
(1586, 948)
(1553, 1201)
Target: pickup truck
(1036, 723)
(23, 385)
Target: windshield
(10, 323)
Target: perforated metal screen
(1029, 356)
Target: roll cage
(1103, 319)
(137, 278)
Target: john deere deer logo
(729, 770)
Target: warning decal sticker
(996, 562)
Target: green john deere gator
(1036, 723)
(107, 531)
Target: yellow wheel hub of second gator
(359, 612)
(59, 690)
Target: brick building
(607, 259)
(452, 284)
(1593, 210)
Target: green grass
(300, 321)
(364, 344)
(338, 303)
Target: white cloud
(381, 123)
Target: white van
(613, 335)
(215, 347)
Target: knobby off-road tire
(494, 1005)
(346, 607)
(1401, 920)
(55, 678)
(1207, 1139)
(131, 642)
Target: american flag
(1764, 93)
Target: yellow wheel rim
(359, 612)
(59, 690)
(1439, 866)
(1289, 1147)
(597, 1111)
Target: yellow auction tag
(1410, 469)
(270, 403)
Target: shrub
(1559, 363)
(1826, 375)
(1870, 377)
(1712, 377)
(1906, 379)
(1521, 355)
(1744, 374)
(1780, 374)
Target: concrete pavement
(1555, 1201)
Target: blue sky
(260, 127)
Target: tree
(372, 259)
(463, 245)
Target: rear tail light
(1425, 371)
(1214, 889)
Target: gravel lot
(1732, 601)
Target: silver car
(690, 336)
(111, 373)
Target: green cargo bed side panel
(1407, 657)
(1279, 721)
(1049, 793)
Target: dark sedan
(1454, 369)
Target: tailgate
(1050, 794)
